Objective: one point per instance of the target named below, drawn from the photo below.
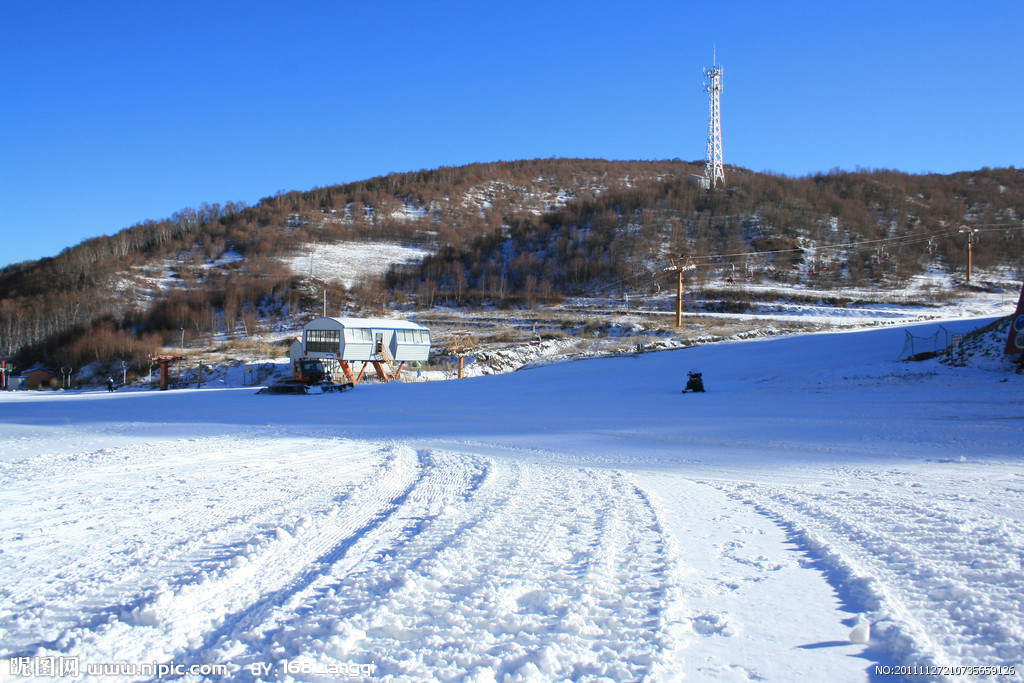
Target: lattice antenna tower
(714, 172)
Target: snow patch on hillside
(350, 262)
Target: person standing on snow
(110, 384)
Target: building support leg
(348, 371)
(382, 374)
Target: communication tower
(713, 170)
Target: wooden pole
(969, 254)
(679, 298)
(971, 232)
(679, 269)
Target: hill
(574, 236)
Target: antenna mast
(713, 170)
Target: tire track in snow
(377, 522)
(501, 569)
(495, 568)
(934, 579)
(397, 531)
(266, 573)
(168, 517)
(749, 609)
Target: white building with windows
(378, 341)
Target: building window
(322, 341)
(358, 334)
(412, 337)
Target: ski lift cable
(879, 243)
(882, 241)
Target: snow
(822, 510)
(349, 262)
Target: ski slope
(579, 521)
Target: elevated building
(383, 343)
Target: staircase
(382, 357)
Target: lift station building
(385, 344)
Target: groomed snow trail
(754, 606)
(934, 558)
(425, 565)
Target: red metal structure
(165, 367)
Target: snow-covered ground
(577, 521)
(348, 262)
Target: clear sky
(116, 112)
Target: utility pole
(679, 298)
(972, 239)
(679, 270)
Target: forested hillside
(835, 230)
(502, 234)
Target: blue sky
(117, 112)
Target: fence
(932, 344)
